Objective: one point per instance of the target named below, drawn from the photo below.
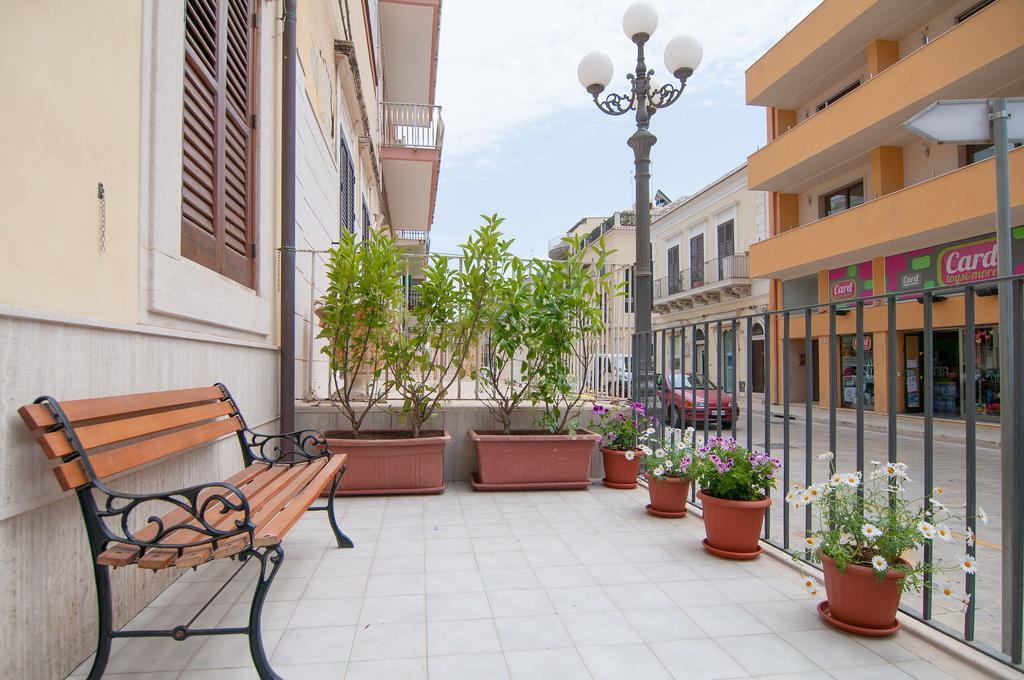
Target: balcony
(620, 221)
(721, 279)
(980, 57)
(956, 205)
(411, 140)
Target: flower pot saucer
(730, 555)
(663, 513)
(826, 613)
(618, 485)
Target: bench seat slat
(274, 531)
(56, 444)
(72, 475)
(77, 410)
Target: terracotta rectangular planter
(382, 462)
(532, 460)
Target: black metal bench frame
(290, 448)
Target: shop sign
(849, 283)
(951, 264)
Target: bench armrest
(189, 519)
(288, 448)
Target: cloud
(505, 65)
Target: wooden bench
(245, 516)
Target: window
(347, 171)
(842, 199)
(972, 153)
(726, 246)
(838, 95)
(366, 221)
(972, 10)
(674, 283)
(218, 207)
(697, 261)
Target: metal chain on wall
(101, 193)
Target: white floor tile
(551, 664)
(613, 662)
(532, 632)
(468, 667)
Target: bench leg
(106, 622)
(270, 561)
(343, 540)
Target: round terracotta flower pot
(620, 473)
(668, 496)
(859, 601)
(733, 527)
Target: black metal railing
(717, 270)
(763, 378)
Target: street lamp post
(682, 56)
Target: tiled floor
(580, 584)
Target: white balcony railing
(415, 126)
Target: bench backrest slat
(57, 444)
(72, 475)
(38, 416)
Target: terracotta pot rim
(436, 437)
(861, 570)
(622, 452)
(670, 480)
(713, 500)
(581, 435)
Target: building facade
(142, 228)
(700, 245)
(860, 206)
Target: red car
(686, 403)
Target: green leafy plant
(427, 359)
(622, 430)
(724, 469)
(873, 523)
(670, 457)
(507, 375)
(568, 296)
(358, 318)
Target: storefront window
(848, 371)
(986, 371)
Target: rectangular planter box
(532, 460)
(391, 465)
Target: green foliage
(873, 523)
(624, 430)
(671, 457)
(425, 361)
(724, 469)
(358, 317)
(567, 304)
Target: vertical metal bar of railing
(733, 402)
(666, 380)
(971, 468)
(786, 375)
(767, 411)
(664, 401)
(705, 369)
(750, 382)
(929, 433)
(719, 350)
(808, 417)
(860, 383)
(891, 376)
(833, 394)
(692, 381)
(1015, 385)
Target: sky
(523, 139)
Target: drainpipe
(287, 393)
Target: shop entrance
(944, 383)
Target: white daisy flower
(927, 529)
(968, 564)
(878, 563)
(812, 542)
(837, 478)
(944, 532)
(649, 431)
(646, 449)
(851, 479)
(669, 464)
(949, 591)
(982, 515)
(813, 592)
(659, 471)
(970, 536)
(936, 505)
(871, 531)
(810, 583)
(938, 491)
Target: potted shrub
(359, 317)
(732, 482)
(564, 312)
(669, 468)
(865, 531)
(620, 443)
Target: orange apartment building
(860, 206)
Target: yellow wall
(70, 119)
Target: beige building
(141, 186)
(700, 246)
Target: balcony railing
(718, 270)
(415, 126)
(410, 235)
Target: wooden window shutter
(347, 172)
(218, 221)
